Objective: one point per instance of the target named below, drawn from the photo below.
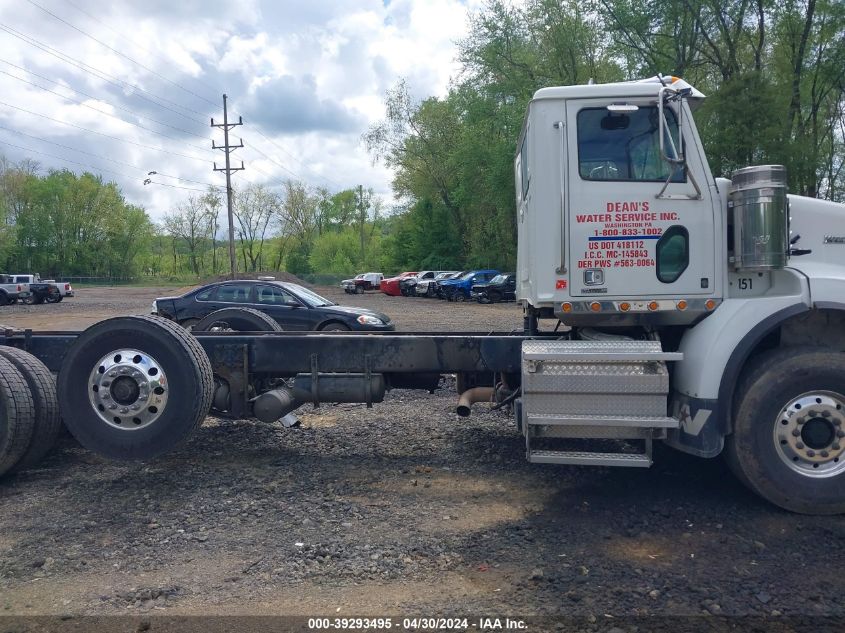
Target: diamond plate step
(642, 422)
(596, 351)
(584, 458)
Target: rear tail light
(19, 288)
(67, 286)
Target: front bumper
(387, 327)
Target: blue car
(459, 289)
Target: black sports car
(291, 305)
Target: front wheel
(459, 297)
(788, 443)
(335, 327)
(359, 290)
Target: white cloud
(311, 76)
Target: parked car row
(484, 286)
(31, 289)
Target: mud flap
(701, 430)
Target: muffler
(276, 403)
(471, 396)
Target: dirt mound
(279, 275)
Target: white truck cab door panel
(625, 239)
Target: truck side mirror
(670, 151)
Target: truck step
(586, 458)
(633, 421)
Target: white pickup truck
(11, 291)
(42, 290)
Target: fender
(715, 350)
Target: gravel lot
(404, 509)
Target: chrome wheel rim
(128, 389)
(809, 434)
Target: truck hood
(821, 225)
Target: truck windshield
(624, 146)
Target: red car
(391, 286)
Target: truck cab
(619, 218)
(704, 312)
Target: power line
(96, 72)
(90, 96)
(164, 184)
(280, 148)
(106, 158)
(99, 169)
(117, 52)
(262, 135)
(108, 114)
(114, 138)
(67, 160)
(135, 42)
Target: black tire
(767, 387)
(54, 298)
(359, 290)
(459, 297)
(42, 387)
(4, 299)
(335, 327)
(189, 383)
(17, 416)
(239, 320)
(189, 324)
(494, 296)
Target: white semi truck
(703, 312)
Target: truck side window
(624, 146)
(672, 254)
(205, 295)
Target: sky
(126, 88)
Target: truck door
(625, 239)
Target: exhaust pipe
(471, 396)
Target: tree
(255, 206)
(188, 224)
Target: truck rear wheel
(47, 421)
(788, 443)
(135, 387)
(17, 416)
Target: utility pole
(363, 212)
(228, 149)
